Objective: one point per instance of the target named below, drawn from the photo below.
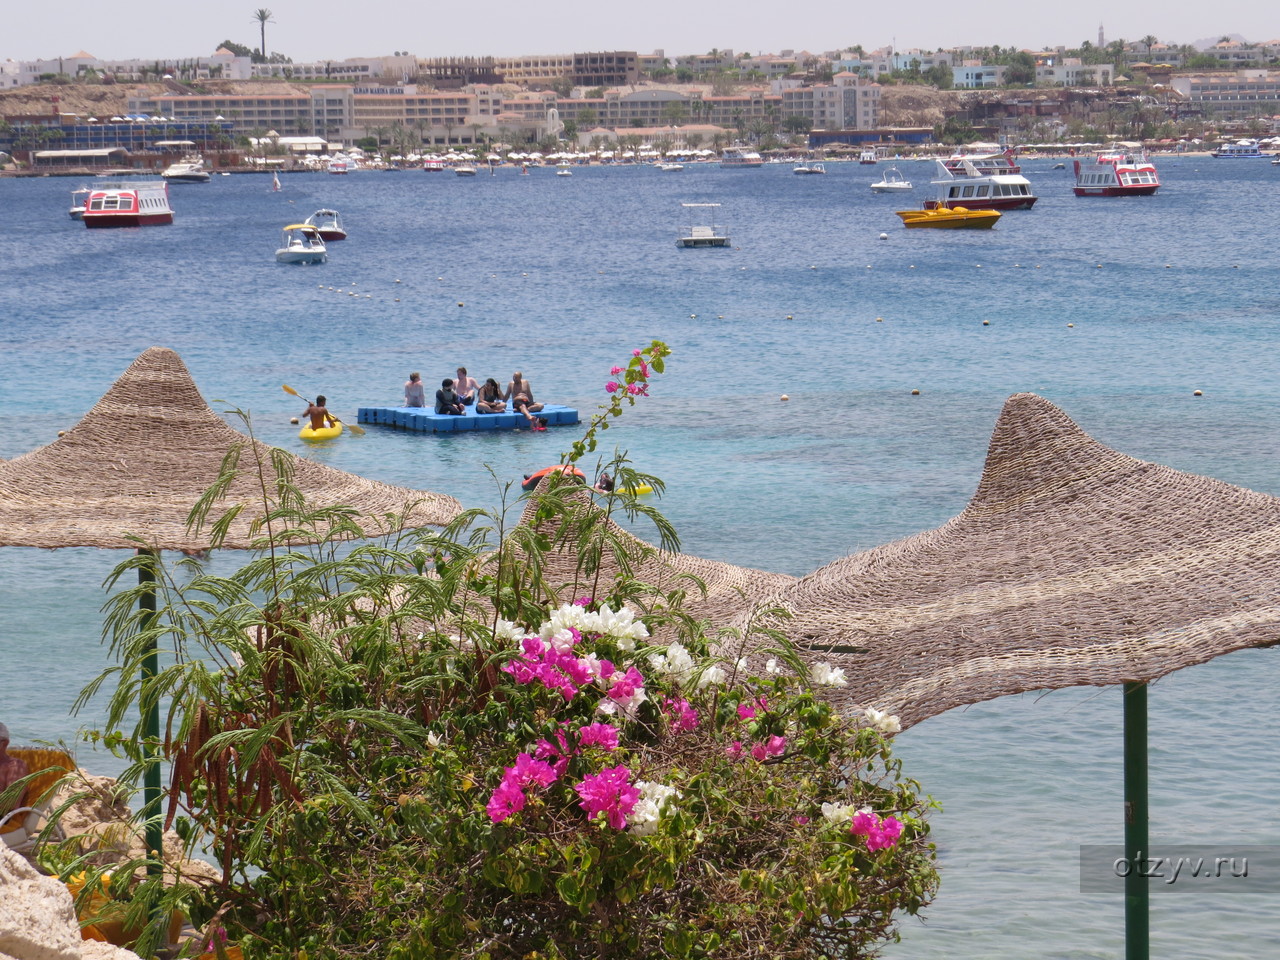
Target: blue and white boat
(1240, 150)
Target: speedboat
(77, 203)
(891, 182)
(128, 203)
(671, 167)
(340, 164)
(1240, 150)
(969, 187)
(465, 170)
(808, 168)
(187, 170)
(328, 224)
(703, 234)
(868, 157)
(949, 218)
(562, 170)
(1116, 175)
(301, 244)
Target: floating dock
(426, 420)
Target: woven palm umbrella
(731, 591)
(1072, 565)
(137, 464)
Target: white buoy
(986, 323)
(784, 398)
(293, 420)
(884, 236)
(1196, 393)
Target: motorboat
(868, 157)
(1240, 150)
(340, 165)
(187, 170)
(1116, 175)
(562, 170)
(985, 163)
(301, 243)
(465, 170)
(808, 168)
(433, 164)
(128, 203)
(328, 224)
(77, 203)
(892, 182)
(737, 157)
(972, 189)
(703, 234)
(949, 218)
(670, 167)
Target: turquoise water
(562, 277)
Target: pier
(426, 420)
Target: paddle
(354, 428)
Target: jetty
(426, 420)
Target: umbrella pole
(1137, 919)
(151, 718)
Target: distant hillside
(110, 100)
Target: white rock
(38, 921)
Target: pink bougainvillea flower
(529, 772)
(863, 822)
(801, 819)
(884, 835)
(635, 353)
(734, 750)
(682, 716)
(506, 800)
(598, 735)
(609, 792)
(617, 370)
(584, 603)
(746, 711)
(611, 386)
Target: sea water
(1116, 310)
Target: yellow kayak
(324, 433)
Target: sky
(334, 29)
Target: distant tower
(1102, 40)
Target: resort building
(1244, 93)
(1071, 72)
(973, 75)
(847, 103)
(611, 69)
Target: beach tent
(1072, 565)
(137, 464)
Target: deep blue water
(1117, 310)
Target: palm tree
(263, 16)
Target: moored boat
(77, 203)
(868, 157)
(984, 163)
(340, 164)
(1240, 150)
(950, 218)
(433, 164)
(301, 244)
(737, 157)
(128, 203)
(1116, 175)
(892, 182)
(703, 234)
(328, 224)
(187, 170)
(968, 187)
(465, 170)
(809, 168)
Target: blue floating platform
(426, 420)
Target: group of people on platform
(455, 395)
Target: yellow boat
(953, 218)
(324, 433)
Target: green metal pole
(151, 715)
(1137, 912)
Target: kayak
(324, 433)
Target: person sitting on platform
(465, 387)
(520, 393)
(12, 770)
(489, 399)
(447, 401)
(415, 394)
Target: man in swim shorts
(320, 416)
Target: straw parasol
(139, 460)
(730, 590)
(1072, 565)
(137, 464)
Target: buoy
(986, 323)
(397, 281)
(721, 317)
(397, 299)
(1099, 266)
(524, 274)
(812, 267)
(879, 319)
(788, 316)
(1196, 393)
(293, 420)
(785, 398)
(1168, 266)
(439, 278)
(884, 236)
(693, 316)
(1070, 324)
(321, 286)
(912, 267)
(915, 393)
(460, 303)
(62, 433)
(978, 265)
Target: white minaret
(1102, 40)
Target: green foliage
(239, 49)
(340, 720)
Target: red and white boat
(433, 164)
(1116, 175)
(967, 186)
(128, 203)
(984, 163)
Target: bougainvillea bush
(413, 749)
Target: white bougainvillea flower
(654, 797)
(885, 723)
(838, 812)
(825, 675)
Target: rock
(38, 921)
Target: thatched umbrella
(730, 590)
(138, 462)
(1072, 565)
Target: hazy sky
(333, 29)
